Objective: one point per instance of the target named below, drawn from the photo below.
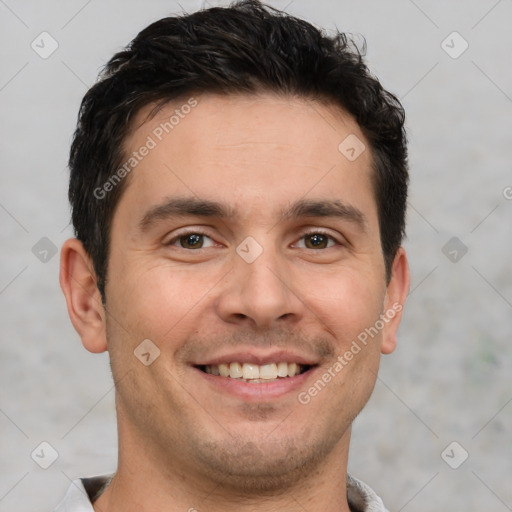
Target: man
(238, 185)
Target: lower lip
(257, 392)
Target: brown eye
(191, 241)
(317, 241)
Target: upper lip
(259, 357)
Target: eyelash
(196, 232)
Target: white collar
(361, 497)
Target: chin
(249, 467)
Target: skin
(184, 441)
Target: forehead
(247, 150)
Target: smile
(255, 373)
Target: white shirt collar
(361, 497)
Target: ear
(79, 284)
(396, 294)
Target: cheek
(347, 301)
(153, 303)
(159, 301)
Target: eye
(317, 240)
(192, 241)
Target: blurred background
(437, 432)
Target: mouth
(256, 376)
(255, 373)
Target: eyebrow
(327, 208)
(195, 207)
(184, 207)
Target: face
(246, 248)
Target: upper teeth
(250, 371)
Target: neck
(144, 482)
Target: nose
(260, 293)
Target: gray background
(450, 378)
